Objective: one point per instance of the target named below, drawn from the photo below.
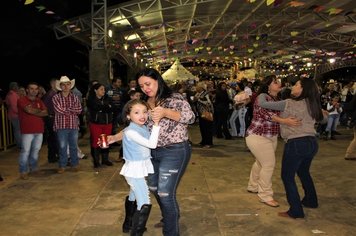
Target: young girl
(137, 142)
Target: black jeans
(206, 131)
(297, 158)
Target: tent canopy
(177, 72)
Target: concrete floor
(212, 196)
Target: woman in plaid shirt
(262, 139)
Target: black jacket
(100, 110)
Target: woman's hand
(157, 114)
(292, 121)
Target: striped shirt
(66, 111)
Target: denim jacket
(137, 142)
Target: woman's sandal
(271, 203)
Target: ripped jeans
(169, 164)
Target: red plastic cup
(103, 141)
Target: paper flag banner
(334, 11)
(231, 52)
(269, 2)
(40, 8)
(257, 38)
(195, 41)
(232, 47)
(49, 12)
(255, 45)
(196, 50)
(294, 33)
(170, 30)
(208, 48)
(268, 25)
(28, 2)
(296, 4)
(318, 9)
(250, 50)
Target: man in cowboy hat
(67, 107)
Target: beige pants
(351, 149)
(263, 149)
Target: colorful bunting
(40, 8)
(27, 2)
(334, 11)
(296, 4)
(294, 33)
(269, 2)
(318, 9)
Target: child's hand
(157, 113)
(111, 139)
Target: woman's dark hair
(128, 107)
(92, 93)
(265, 83)
(220, 85)
(163, 91)
(311, 94)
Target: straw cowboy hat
(64, 79)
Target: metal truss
(99, 24)
(324, 68)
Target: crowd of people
(152, 118)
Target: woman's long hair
(265, 83)
(311, 94)
(163, 91)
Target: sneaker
(61, 170)
(24, 176)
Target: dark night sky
(29, 49)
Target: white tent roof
(177, 72)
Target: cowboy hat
(64, 79)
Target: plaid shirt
(66, 111)
(261, 123)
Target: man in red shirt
(31, 109)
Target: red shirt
(30, 124)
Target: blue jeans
(68, 137)
(297, 157)
(169, 164)
(31, 145)
(138, 191)
(333, 120)
(16, 130)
